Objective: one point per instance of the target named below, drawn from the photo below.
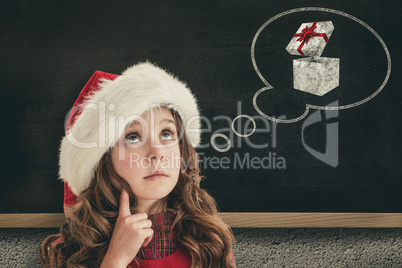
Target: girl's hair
(84, 237)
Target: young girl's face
(147, 156)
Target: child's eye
(167, 134)
(132, 138)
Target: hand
(129, 234)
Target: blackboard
(341, 159)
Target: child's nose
(155, 150)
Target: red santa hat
(105, 106)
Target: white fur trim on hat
(129, 96)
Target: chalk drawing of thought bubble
(365, 62)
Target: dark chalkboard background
(49, 49)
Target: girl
(132, 179)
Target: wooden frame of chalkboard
(241, 220)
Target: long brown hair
(86, 234)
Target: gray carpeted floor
(257, 247)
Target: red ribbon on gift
(306, 34)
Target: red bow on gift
(306, 34)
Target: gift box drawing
(311, 39)
(316, 75)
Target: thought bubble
(365, 64)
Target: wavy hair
(84, 237)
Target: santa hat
(105, 106)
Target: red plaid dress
(161, 251)
(162, 244)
